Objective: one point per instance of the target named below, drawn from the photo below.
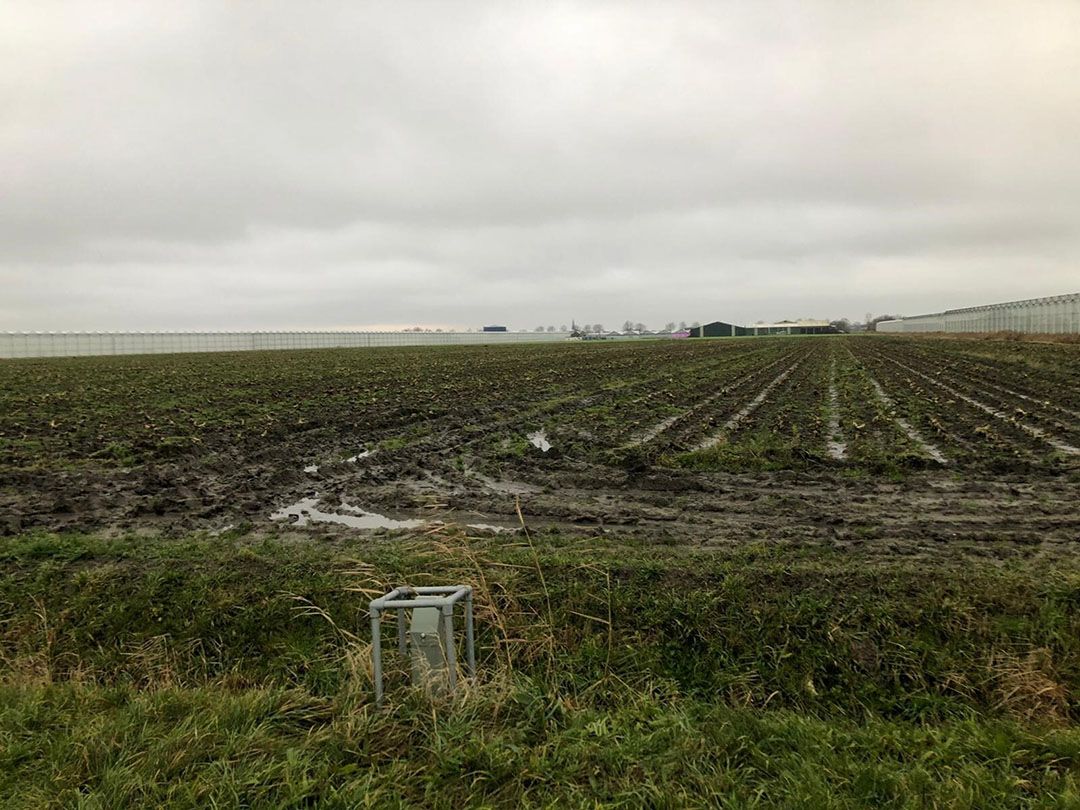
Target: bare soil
(207, 442)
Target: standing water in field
(540, 441)
(305, 511)
(837, 446)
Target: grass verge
(192, 671)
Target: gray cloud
(333, 165)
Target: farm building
(801, 327)
(494, 329)
(719, 329)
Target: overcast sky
(321, 165)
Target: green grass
(147, 671)
(519, 746)
(759, 451)
(395, 443)
(837, 632)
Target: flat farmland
(846, 439)
(770, 572)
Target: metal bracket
(433, 653)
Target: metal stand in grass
(429, 644)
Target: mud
(452, 460)
(923, 509)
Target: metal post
(376, 657)
(401, 643)
(448, 642)
(470, 644)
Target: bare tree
(627, 326)
(639, 327)
(682, 325)
(871, 325)
(669, 326)
(551, 328)
(563, 328)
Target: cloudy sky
(321, 165)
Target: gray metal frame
(443, 597)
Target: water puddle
(305, 512)
(540, 441)
(837, 446)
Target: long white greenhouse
(1059, 314)
(72, 344)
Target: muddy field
(901, 442)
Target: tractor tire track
(685, 418)
(836, 447)
(749, 408)
(1031, 430)
(914, 435)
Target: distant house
(494, 329)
